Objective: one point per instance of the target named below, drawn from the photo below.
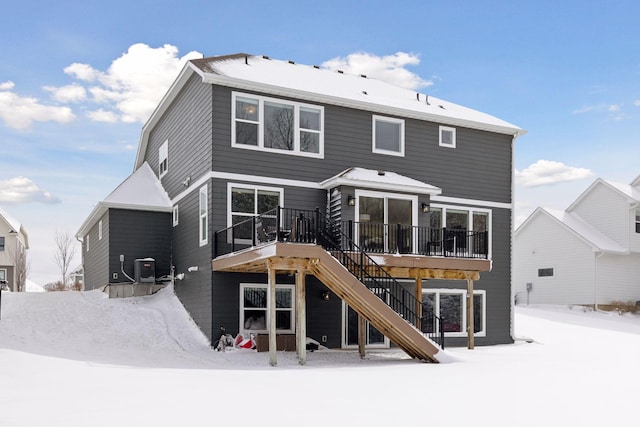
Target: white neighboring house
(589, 254)
(14, 243)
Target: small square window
(447, 137)
(545, 272)
(388, 136)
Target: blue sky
(77, 79)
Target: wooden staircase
(367, 304)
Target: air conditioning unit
(144, 270)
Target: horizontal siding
(544, 243)
(618, 278)
(479, 168)
(96, 260)
(607, 211)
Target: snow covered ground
(80, 359)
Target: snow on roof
(140, 191)
(335, 87)
(15, 226)
(379, 179)
(587, 232)
(627, 190)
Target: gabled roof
(379, 180)
(140, 191)
(636, 182)
(315, 84)
(632, 194)
(15, 226)
(574, 224)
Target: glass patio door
(385, 223)
(374, 338)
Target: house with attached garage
(588, 254)
(298, 202)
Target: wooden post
(362, 335)
(419, 302)
(271, 298)
(470, 316)
(301, 321)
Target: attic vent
(265, 57)
(380, 173)
(341, 72)
(291, 62)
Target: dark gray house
(293, 201)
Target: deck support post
(301, 318)
(271, 297)
(362, 335)
(470, 315)
(419, 302)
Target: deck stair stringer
(367, 304)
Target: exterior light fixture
(351, 201)
(325, 295)
(425, 208)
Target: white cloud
(390, 68)
(23, 190)
(20, 112)
(549, 172)
(134, 83)
(103, 116)
(69, 93)
(636, 102)
(7, 85)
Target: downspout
(595, 280)
(513, 204)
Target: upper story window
(87, 243)
(203, 216)
(163, 159)
(447, 137)
(100, 230)
(637, 221)
(276, 125)
(388, 136)
(175, 215)
(1, 243)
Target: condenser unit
(144, 270)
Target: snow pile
(77, 359)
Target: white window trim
(296, 106)
(175, 214)
(163, 154)
(266, 286)
(205, 216)
(4, 270)
(88, 243)
(100, 230)
(470, 211)
(255, 188)
(373, 135)
(463, 293)
(453, 136)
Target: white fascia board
(335, 182)
(377, 108)
(167, 99)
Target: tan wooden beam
(470, 316)
(301, 317)
(419, 302)
(271, 298)
(362, 335)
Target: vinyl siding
(618, 278)
(607, 211)
(544, 243)
(96, 261)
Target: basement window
(254, 313)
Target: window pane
(247, 109)
(2, 243)
(3, 275)
(203, 203)
(428, 305)
(457, 219)
(387, 136)
(255, 320)
(243, 231)
(267, 200)
(246, 133)
(435, 218)
(446, 137)
(309, 142)
(283, 298)
(243, 200)
(283, 319)
(480, 220)
(451, 312)
(278, 126)
(255, 298)
(477, 312)
(309, 119)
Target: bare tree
(22, 266)
(65, 251)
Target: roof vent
(364, 76)
(441, 107)
(364, 92)
(265, 57)
(291, 62)
(316, 66)
(381, 173)
(341, 72)
(246, 60)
